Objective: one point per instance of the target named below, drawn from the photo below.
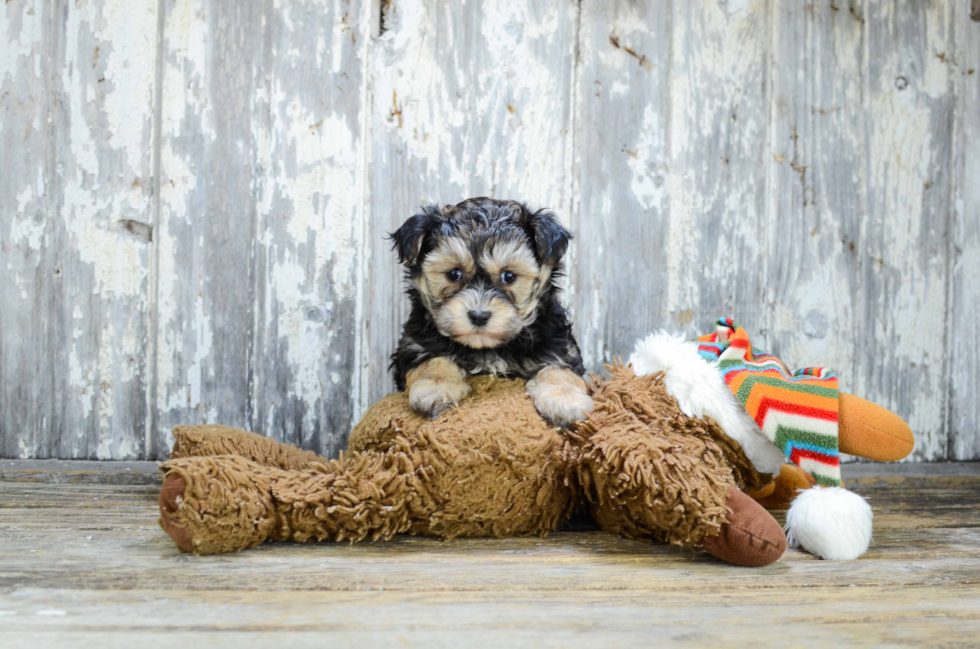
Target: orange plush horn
(870, 431)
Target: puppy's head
(481, 267)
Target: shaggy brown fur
(493, 468)
(195, 441)
(490, 467)
(649, 470)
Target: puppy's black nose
(479, 318)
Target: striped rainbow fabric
(796, 410)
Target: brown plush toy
(489, 467)
(666, 455)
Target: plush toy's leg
(668, 485)
(199, 441)
(870, 431)
(226, 503)
(750, 535)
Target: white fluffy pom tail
(830, 523)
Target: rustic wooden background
(194, 195)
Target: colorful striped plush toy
(774, 414)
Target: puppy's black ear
(408, 239)
(550, 237)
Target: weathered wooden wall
(195, 193)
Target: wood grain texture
(259, 219)
(311, 219)
(192, 220)
(861, 201)
(618, 272)
(670, 166)
(205, 272)
(716, 249)
(903, 292)
(106, 571)
(77, 84)
(963, 425)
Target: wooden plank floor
(84, 564)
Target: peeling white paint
(705, 168)
(129, 33)
(23, 41)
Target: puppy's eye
(507, 278)
(454, 275)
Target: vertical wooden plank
(25, 265)
(622, 169)
(817, 183)
(310, 222)
(207, 215)
(673, 116)
(964, 314)
(719, 106)
(260, 218)
(904, 257)
(75, 212)
(469, 99)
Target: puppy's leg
(560, 395)
(435, 386)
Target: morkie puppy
(483, 301)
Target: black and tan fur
(484, 301)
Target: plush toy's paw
(219, 503)
(750, 537)
(560, 396)
(430, 397)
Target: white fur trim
(700, 391)
(829, 522)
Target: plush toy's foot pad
(751, 536)
(870, 431)
(171, 496)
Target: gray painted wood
(77, 83)
(817, 181)
(618, 273)
(193, 209)
(719, 88)
(964, 309)
(672, 101)
(861, 195)
(259, 219)
(903, 293)
(311, 223)
(205, 271)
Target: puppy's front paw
(430, 397)
(565, 408)
(560, 396)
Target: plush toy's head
(481, 267)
